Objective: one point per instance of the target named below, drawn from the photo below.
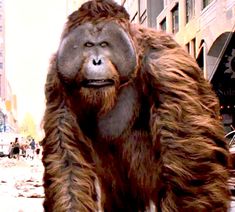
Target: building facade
(2, 52)
(205, 28)
(3, 111)
(8, 106)
(201, 26)
(144, 12)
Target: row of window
(190, 12)
(191, 47)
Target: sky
(33, 30)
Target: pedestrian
(28, 152)
(23, 149)
(33, 147)
(16, 149)
(10, 150)
(37, 150)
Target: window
(193, 42)
(191, 47)
(190, 9)
(143, 17)
(200, 59)
(134, 18)
(187, 47)
(201, 56)
(1, 65)
(163, 25)
(143, 11)
(175, 19)
(206, 3)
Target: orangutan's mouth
(97, 83)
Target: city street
(144, 87)
(21, 185)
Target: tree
(28, 126)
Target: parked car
(4, 148)
(231, 141)
(231, 138)
(5, 141)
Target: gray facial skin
(91, 47)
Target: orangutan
(129, 113)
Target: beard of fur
(100, 100)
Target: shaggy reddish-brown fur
(178, 160)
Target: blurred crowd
(28, 149)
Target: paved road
(21, 186)
(9, 204)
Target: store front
(223, 82)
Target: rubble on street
(21, 188)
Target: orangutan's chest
(122, 117)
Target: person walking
(33, 147)
(16, 149)
(10, 150)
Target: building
(3, 112)
(205, 28)
(8, 108)
(2, 52)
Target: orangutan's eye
(104, 44)
(88, 44)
